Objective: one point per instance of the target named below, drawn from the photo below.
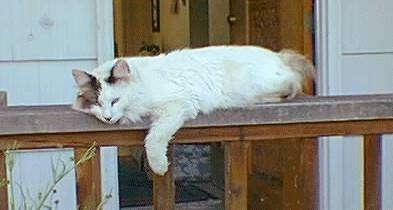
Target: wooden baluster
(3, 168)
(236, 175)
(310, 172)
(3, 190)
(88, 180)
(292, 174)
(164, 187)
(372, 172)
(3, 99)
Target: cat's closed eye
(115, 101)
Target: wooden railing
(59, 126)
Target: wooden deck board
(59, 126)
(62, 119)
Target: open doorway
(149, 27)
(169, 25)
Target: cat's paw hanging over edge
(158, 164)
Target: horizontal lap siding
(44, 82)
(46, 29)
(41, 42)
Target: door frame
(105, 24)
(328, 61)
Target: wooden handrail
(371, 115)
(61, 119)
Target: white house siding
(355, 57)
(41, 41)
(33, 175)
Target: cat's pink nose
(108, 118)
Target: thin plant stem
(90, 152)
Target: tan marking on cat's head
(89, 87)
(300, 64)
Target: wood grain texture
(61, 119)
(218, 23)
(292, 174)
(3, 167)
(270, 197)
(133, 26)
(287, 171)
(265, 23)
(236, 175)
(88, 180)
(203, 135)
(199, 23)
(310, 173)
(239, 34)
(309, 117)
(3, 99)
(3, 175)
(302, 130)
(308, 29)
(164, 188)
(372, 172)
(119, 28)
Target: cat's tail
(301, 65)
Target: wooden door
(284, 174)
(274, 24)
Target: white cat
(175, 87)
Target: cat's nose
(108, 118)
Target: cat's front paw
(158, 164)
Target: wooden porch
(35, 127)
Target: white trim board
(341, 161)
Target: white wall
(355, 56)
(30, 179)
(41, 41)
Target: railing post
(236, 175)
(88, 180)
(3, 167)
(372, 172)
(3, 99)
(164, 187)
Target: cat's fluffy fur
(175, 87)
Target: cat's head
(102, 93)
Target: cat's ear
(119, 72)
(82, 78)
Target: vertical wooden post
(239, 28)
(310, 171)
(119, 28)
(3, 99)
(372, 172)
(236, 175)
(308, 28)
(292, 174)
(164, 187)
(3, 167)
(88, 180)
